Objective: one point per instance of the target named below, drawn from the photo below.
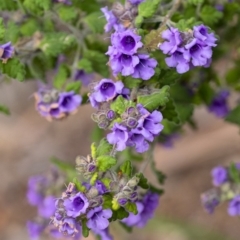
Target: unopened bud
(133, 182)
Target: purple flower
(76, 205)
(146, 209)
(145, 68)
(219, 104)
(69, 227)
(199, 53)
(126, 42)
(105, 90)
(138, 141)
(136, 2)
(219, 175)
(98, 218)
(6, 51)
(179, 60)
(69, 101)
(173, 38)
(84, 77)
(34, 229)
(47, 208)
(100, 187)
(210, 200)
(124, 64)
(112, 21)
(201, 32)
(234, 206)
(35, 194)
(118, 136)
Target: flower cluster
(6, 51)
(137, 128)
(53, 104)
(188, 49)
(74, 207)
(225, 180)
(42, 195)
(146, 208)
(219, 106)
(124, 56)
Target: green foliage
(170, 112)
(130, 82)
(186, 24)
(107, 201)
(234, 116)
(155, 100)
(11, 32)
(85, 65)
(104, 148)
(210, 15)
(55, 43)
(37, 5)
(147, 8)
(233, 77)
(234, 173)
(195, 2)
(121, 104)
(168, 77)
(95, 22)
(67, 13)
(93, 150)
(126, 168)
(143, 182)
(131, 207)
(74, 86)
(206, 93)
(78, 185)
(85, 229)
(91, 6)
(4, 110)
(61, 77)
(104, 163)
(13, 69)
(119, 214)
(98, 60)
(29, 27)
(8, 5)
(94, 178)
(2, 29)
(160, 176)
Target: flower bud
(92, 193)
(132, 122)
(133, 182)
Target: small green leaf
(104, 148)
(93, 150)
(170, 113)
(148, 8)
(106, 182)
(107, 201)
(210, 15)
(115, 204)
(95, 22)
(168, 77)
(61, 77)
(74, 86)
(160, 176)
(85, 229)
(85, 65)
(2, 29)
(234, 116)
(155, 189)
(234, 173)
(206, 93)
(94, 178)
(67, 13)
(119, 214)
(155, 100)
(119, 105)
(78, 185)
(4, 109)
(143, 182)
(105, 162)
(126, 168)
(131, 207)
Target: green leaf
(78, 185)
(74, 86)
(120, 105)
(107, 201)
(4, 109)
(155, 189)
(234, 116)
(11, 32)
(86, 65)
(195, 2)
(234, 173)
(85, 229)
(143, 182)
(94, 178)
(206, 93)
(8, 5)
(13, 69)
(29, 27)
(2, 29)
(93, 150)
(104, 148)
(99, 62)
(168, 77)
(67, 13)
(95, 22)
(126, 168)
(233, 77)
(91, 6)
(105, 162)
(130, 82)
(210, 15)
(106, 182)
(148, 8)
(61, 77)
(131, 207)
(155, 100)
(160, 176)
(170, 113)
(119, 214)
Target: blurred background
(27, 141)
